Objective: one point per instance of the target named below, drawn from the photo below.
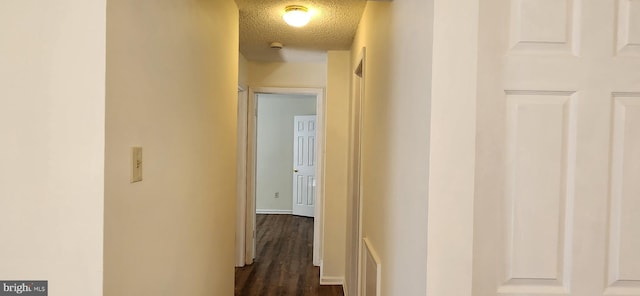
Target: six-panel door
(557, 209)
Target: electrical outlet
(276, 195)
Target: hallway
(284, 260)
(477, 147)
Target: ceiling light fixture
(296, 15)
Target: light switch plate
(136, 164)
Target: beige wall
(51, 158)
(171, 88)
(287, 74)
(397, 36)
(335, 181)
(274, 163)
(243, 71)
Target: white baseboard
(345, 289)
(274, 212)
(331, 280)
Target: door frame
(355, 170)
(241, 187)
(246, 210)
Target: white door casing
(558, 148)
(241, 195)
(304, 165)
(354, 202)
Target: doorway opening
(285, 154)
(249, 171)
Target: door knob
(295, 170)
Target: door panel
(624, 225)
(304, 157)
(540, 158)
(558, 145)
(540, 152)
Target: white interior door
(304, 165)
(558, 161)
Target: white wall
(274, 166)
(453, 131)
(52, 154)
(313, 75)
(172, 77)
(336, 148)
(395, 164)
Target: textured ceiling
(332, 27)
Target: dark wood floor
(283, 264)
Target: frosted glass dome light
(296, 15)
